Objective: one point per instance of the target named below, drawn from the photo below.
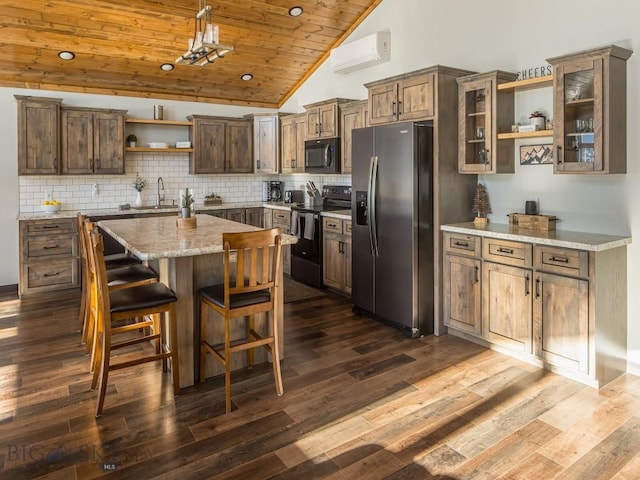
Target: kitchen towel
(295, 223)
(309, 226)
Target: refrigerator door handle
(368, 211)
(372, 202)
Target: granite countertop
(595, 242)
(341, 214)
(157, 237)
(106, 212)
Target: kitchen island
(187, 260)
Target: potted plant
(131, 140)
(538, 119)
(186, 200)
(481, 205)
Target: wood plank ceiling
(119, 46)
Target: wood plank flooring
(361, 402)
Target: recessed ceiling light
(246, 77)
(167, 67)
(295, 11)
(66, 55)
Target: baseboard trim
(9, 292)
(633, 368)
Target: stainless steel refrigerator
(392, 208)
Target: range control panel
(338, 192)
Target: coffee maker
(272, 191)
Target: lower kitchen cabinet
(280, 218)
(506, 294)
(562, 308)
(337, 254)
(49, 258)
(255, 217)
(558, 341)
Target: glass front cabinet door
(482, 113)
(590, 111)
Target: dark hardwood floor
(361, 402)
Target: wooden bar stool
(249, 287)
(119, 275)
(146, 302)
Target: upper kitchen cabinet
(220, 145)
(266, 143)
(352, 115)
(483, 111)
(38, 135)
(323, 120)
(92, 141)
(590, 111)
(293, 137)
(401, 98)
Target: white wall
(512, 36)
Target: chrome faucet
(159, 197)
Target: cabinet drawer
(58, 273)
(49, 246)
(333, 225)
(507, 252)
(347, 227)
(461, 244)
(561, 260)
(50, 227)
(281, 216)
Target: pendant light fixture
(203, 47)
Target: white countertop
(341, 214)
(156, 237)
(595, 242)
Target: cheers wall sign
(535, 72)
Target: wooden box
(535, 222)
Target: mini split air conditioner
(369, 50)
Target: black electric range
(306, 254)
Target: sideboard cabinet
(556, 303)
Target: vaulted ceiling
(119, 46)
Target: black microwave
(322, 156)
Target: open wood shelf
(528, 84)
(150, 121)
(155, 150)
(537, 133)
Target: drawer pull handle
(461, 244)
(333, 225)
(49, 247)
(508, 251)
(51, 226)
(51, 274)
(559, 259)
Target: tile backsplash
(75, 192)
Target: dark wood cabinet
(352, 115)
(220, 145)
(92, 141)
(255, 216)
(38, 135)
(293, 137)
(483, 112)
(405, 97)
(323, 119)
(590, 111)
(266, 143)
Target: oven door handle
(371, 206)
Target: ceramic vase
(138, 202)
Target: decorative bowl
(158, 145)
(51, 208)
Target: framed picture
(536, 154)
